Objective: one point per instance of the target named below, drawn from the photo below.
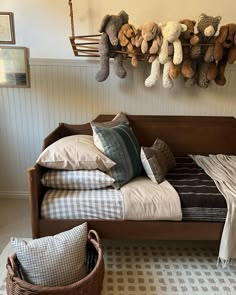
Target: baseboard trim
(14, 195)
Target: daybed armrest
(36, 191)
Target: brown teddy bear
(225, 50)
(126, 38)
(187, 39)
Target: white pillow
(74, 152)
(77, 179)
(54, 260)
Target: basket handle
(11, 266)
(93, 235)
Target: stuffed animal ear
(161, 25)
(202, 16)
(124, 17)
(183, 27)
(104, 22)
(218, 18)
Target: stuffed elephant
(109, 43)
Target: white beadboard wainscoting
(66, 91)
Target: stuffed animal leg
(220, 78)
(174, 71)
(103, 49)
(212, 71)
(203, 82)
(118, 66)
(166, 80)
(155, 73)
(187, 69)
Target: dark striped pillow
(121, 145)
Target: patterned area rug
(158, 268)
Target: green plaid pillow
(121, 146)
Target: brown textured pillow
(157, 160)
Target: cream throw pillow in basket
(54, 260)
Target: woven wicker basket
(90, 285)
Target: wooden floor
(14, 220)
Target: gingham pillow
(54, 260)
(121, 146)
(78, 179)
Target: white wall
(44, 25)
(65, 89)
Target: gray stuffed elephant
(110, 27)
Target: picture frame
(14, 67)
(7, 30)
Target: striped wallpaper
(66, 91)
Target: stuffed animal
(149, 40)
(126, 38)
(108, 43)
(204, 55)
(187, 38)
(225, 50)
(171, 33)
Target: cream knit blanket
(222, 169)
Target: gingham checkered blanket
(82, 204)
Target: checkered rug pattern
(154, 268)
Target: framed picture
(7, 31)
(14, 67)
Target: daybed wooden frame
(184, 135)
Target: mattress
(200, 199)
(82, 204)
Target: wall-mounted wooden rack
(87, 45)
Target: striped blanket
(222, 169)
(200, 199)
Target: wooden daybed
(184, 135)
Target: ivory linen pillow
(157, 160)
(74, 152)
(54, 260)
